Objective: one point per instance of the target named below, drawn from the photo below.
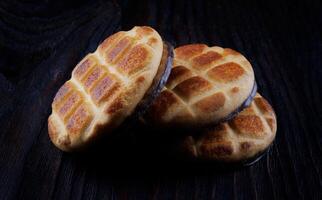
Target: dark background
(41, 42)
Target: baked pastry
(107, 87)
(206, 85)
(244, 137)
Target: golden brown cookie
(245, 136)
(105, 87)
(206, 85)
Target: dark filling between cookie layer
(244, 105)
(158, 82)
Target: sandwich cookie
(242, 139)
(207, 85)
(118, 80)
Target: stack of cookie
(210, 93)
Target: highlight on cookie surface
(205, 86)
(105, 88)
(247, 135)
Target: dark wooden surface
(40, 43)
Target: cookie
(107, 86)
(207, 85)
(244, 137)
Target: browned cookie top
(105, 87)
(206, 84)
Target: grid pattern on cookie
(250, 132)
(99, 79)
(202, 80)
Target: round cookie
(107, 87)
(206, 85)
(246, 136)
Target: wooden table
(40, 43)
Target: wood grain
(40, 43)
